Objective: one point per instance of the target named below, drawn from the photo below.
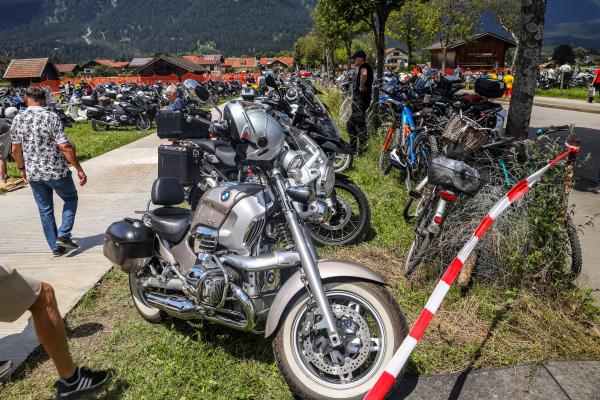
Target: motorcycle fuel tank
(237, 211)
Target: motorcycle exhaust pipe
(279, 259)
(183, 308)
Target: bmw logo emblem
(225, 195)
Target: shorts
(17, 293)
(508, 92)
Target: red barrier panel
(54, 85)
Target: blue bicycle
(406, 146)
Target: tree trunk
(409, 47)
(527, 67)
(514, 60)
(444, 57)
(348, 46)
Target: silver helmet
(252, 126)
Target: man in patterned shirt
(41, 151)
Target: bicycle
(406, 146)
(449, 178)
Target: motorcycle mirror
(202, 92)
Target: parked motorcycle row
(579, 78)
(136, 105)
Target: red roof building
(89, 68)
(23, 72)
(276, 63)
(211, 61)
(237, 64)
(68, 68)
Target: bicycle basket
(465, 132)
(454, 174)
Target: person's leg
(51, 332)
(353, 126)
(3, 171)
(65, 189)
(42, 193)
(361, 125)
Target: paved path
(567, 104)
(555, 380)
(118, 183)
(586, 196)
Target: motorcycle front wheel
(371, 325)
(350, 221)
(143, 123)
(341, 161)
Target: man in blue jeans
(41, 151)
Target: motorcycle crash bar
(396, 364)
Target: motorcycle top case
(180, 162)
(178, 125)
(129, 244)
(490, 88)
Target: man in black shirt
(361, 98)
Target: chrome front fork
(308, 259)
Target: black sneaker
(60, 252)
(5, 366)
(67, 243)
(87, 381)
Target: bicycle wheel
(421, 241)
(574, 256)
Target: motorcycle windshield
(329, 129)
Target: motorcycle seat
(171, 223)
(224, 152)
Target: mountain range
(79, 30)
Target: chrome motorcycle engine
(210, 282)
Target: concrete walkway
(556, 380)
(118, 184)
(567, 104)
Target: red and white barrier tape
(388, 377)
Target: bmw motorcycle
(134, 112)
(349, 209)
(245, 259)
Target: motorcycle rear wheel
(98, 126)
(351, 221)
(149, 313)
(358, 307)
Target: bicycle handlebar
(553, 129)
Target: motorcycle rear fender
(337, 147)
(330, 270)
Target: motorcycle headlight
(327, 182)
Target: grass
(90, 144)
(571, 93)
(488, 326)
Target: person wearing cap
(361, 98)
(19, 294)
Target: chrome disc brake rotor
(354, 350)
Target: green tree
(414, 24)
(457, 21)
(581, 54)
(563, 54)
(375, 14)
(309, 49)
(334, 27)
(507, 14)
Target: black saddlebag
(129, 244)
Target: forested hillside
(77, 30)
